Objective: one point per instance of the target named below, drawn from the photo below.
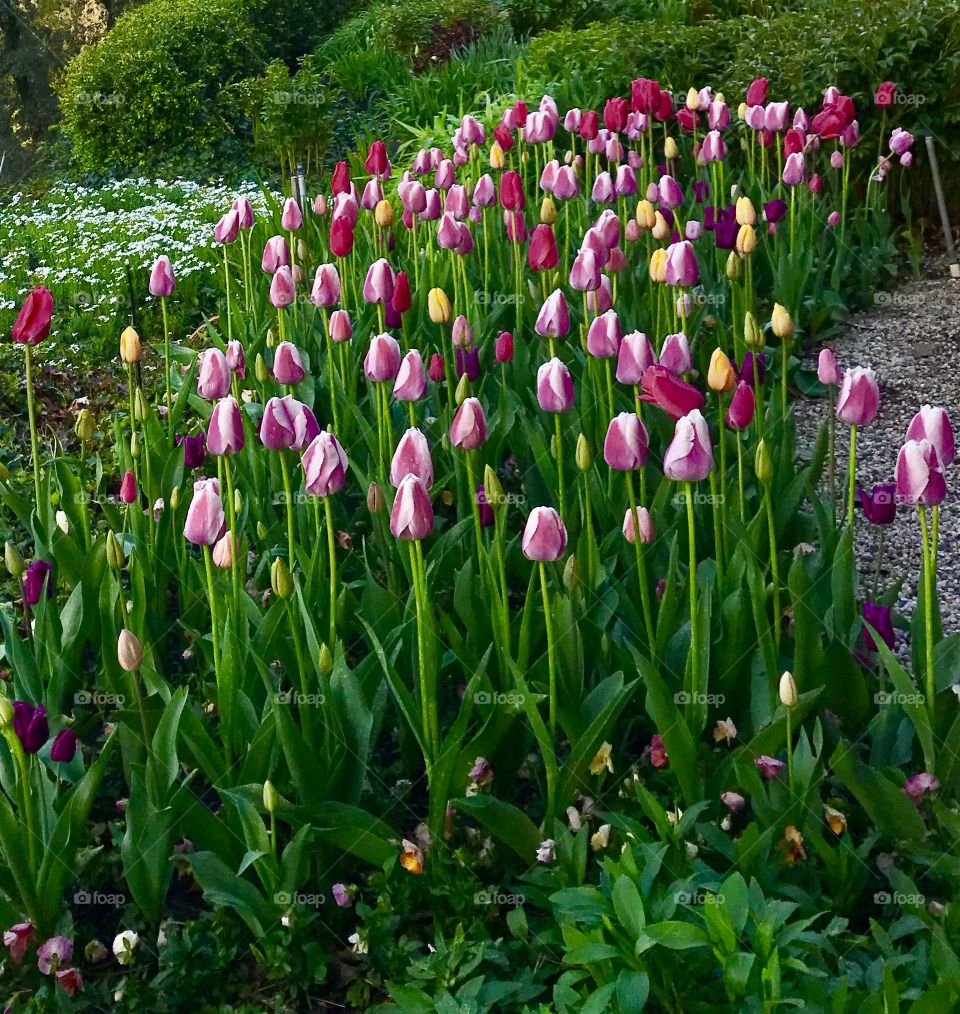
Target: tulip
(645, 524)
(339, 326)
(131, 350)
(828, 373)
(382, 361)
(675, 354)
(689, 457)
(918, 475)
(468, 430)
(17, 940)
(288, 364)
(542, 251)
(412, 515)
(236, 359)
(585, 272)
(604, 335)
(933, 424)
(881, 619)
(634, 358)
(33, 582)
(553, 321)
(625, 445)
(411, 382)
(603, 191)
(225, 231)
(291, 218)
(675, 396)
(287, 423)
(669, 192)
(205, 515)
(128, 488)
(412, 456)
(64, 746)
(214, 375)
(859, 397)
(742, 406)
(554, 387)
(282, 288)
(30, 725)
(193, 450)
(162, 279)
(225, 433)
(880, 504)
(468, 363)
(721, 375)
(324, 465)
(326, 286)
(244, 212)
(544, 536)
(276, 254)
(681, 267)
(503, 347)
(224, 551)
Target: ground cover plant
(435, 610)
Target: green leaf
(628, 905)
(505, 822)
(674, 935)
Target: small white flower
(63, 523)
(123, 946)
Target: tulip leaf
(909, 697)
(504, 822)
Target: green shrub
(155, 84)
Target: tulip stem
(558, 451)
(226, 276)
(551, 655)
(641, 566)
(421, 662)
(717, 522)
(234, 536)
(475, 507)
(331, 549)
(31, 413)
(853, 475)
(166, 367)
(223, 705)
(928, 606)
(740, 477)
(331, 373)
(774, 569)
(790, 750)
(288, 496)
(831, 457)
(24, 780)
(879, 563)
(692, 579)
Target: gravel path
(911, 338)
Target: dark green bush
(155, 85)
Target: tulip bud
(583, 455)
(570, 580)
(114, 552)
(281, 581)
(746, 240)
(270, 797)
(763, 464)
(438, 306)
(383, 214)
(781, 322)
(646, 214)
(746, 215)
(260, 369)
(85, 427)
(670, 149)
(134, 445)
(496, 156)
(16, 568)
(548, 211)
(463, 389)
(261, 531)
(237, 501)
(734, 266)
(325, 660)
(6, 713)
(175, 498)
(271, 338)
(141, 406)
(752, 334)
(129, 650)
(130, 347)
(492, 489)
(375, 498)
(742, 111)
(721, 376)
(788, 690)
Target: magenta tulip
(326, 286)
(412, 456)
(604, 335)
(666, 390)
(742, 407)
(412, 514)
(554, 387)
(162, 279)
(288, 364)
(468, 430)
(282, 288)
(292, 218)
(932, 423)
(919, 479)
(287, 423)
(225, 432)
(625, 446)
(276, 254)
(859, 399)
(33, 321)
(214, 375)
(544, 536)
(689, 457)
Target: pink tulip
(682, 268)
(225, 231)
(669, 193)
(445, 176)
(225, 432)
(594, 242)
(635, 356)
(372, 195)
(340, 327)
(292, 217)
(236, 359)
(603, 192)
(549, 175)
(288, 364)
(544, 536)
(468, 430)
(675, 354)
(484, 193)
(382, 361)
(432, 210)
(244, 212)
(625, 445)
(461, 334)
(932, 423)
(919, 479)
(413, 196)
(287, 423)
(283, 290)
(379, 283)
(718, 115)
(503, 347)
(585, 272)
(276, 253)
(828, 372)
(776, 116)
(205, 517)
(324, 465)
(567, 184)
(645, 523)
(456, 203)
(346, 208)
(213, 375)
(600, 300)
(859, 399)
(689, 457)
(128, 488)
(411, 383)
(162, 279)
(604, 335)
(666, 390)
(326, 286)
(553, 321)
(412, 515)
(554, 387)
(713, 149)
(412, 456)
(742, 407)
(794, 169)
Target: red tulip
(341, 237)
(542, 252)
(667, 391)
(511, 191)
(33, 321)
(376, 162)
(341, 178)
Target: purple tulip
(288, 364)
(774, 211)
(205, 518)
(30, 725)
(682, 267)
(225, 433)
(689, 457)
(634, 357)
(604, 335)
(769, 767)
(193, 450)
(544, 536)
(162, 279)
(64, 746)
(276, 254)
(554, 387)
(625, 445)
(286, 423)
(33, 581)
(675, 354)
(880, 504)
(324, 465)
(412, 515)
(881, 619)
(468, 362)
